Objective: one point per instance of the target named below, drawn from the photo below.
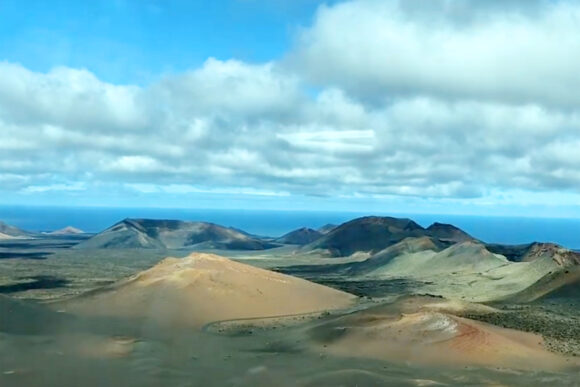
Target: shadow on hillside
(38, 282)
(330, 275)
(24, 255)
(38, 244)
(372, 288)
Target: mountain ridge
(371, 234)
(301, 236)
(14, 232)
(172, 234)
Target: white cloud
(386, 49)
(77, 186)
(65, 96)
(181, 189)
(331, 141)
(230, 88)
(409, 102)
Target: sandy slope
(399, 257)
(431, 335)
(424, 257)
(563, 283)
(465, 270)
(468, 257)
(203, 288)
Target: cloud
(231, 87)
(378, 99)
(515, 52)
(332, 141)
(188, 189)
(65, 96)
(79, 186)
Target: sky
(409, 106)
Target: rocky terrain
(373, 301)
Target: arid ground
(283, 316)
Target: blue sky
(134, 41)
(415, 106)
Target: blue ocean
(508, 230)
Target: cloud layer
(450, 49)
(376, 98)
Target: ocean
(507, 230)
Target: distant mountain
(327, 228)
(514, 253)
(302, 236)
(69, 230)
(11, 232)
(369, 234)
(129, 233)
(563, 279)
(172, 234)
(533, 251)
(448, 232)
(560, 255)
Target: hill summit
(203, 288)
(301, 236)
(448, 232)
(369, 234)
(11, 232)
(172, 234)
